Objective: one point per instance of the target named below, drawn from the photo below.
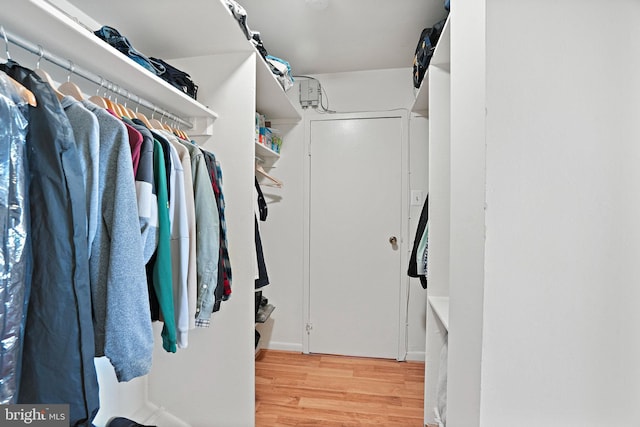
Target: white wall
(282, 233)
(467, 217)
(561, 293)
(561, 324)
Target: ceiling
(347, 35)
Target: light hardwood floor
(294, 389)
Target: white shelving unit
(436, 94)
(440, 307)
(265, 153)
(205, 41)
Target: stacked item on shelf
(175, 77)
(424, 50)
(279, 67)
(282, 70)
(266, 135)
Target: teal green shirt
(162, 274)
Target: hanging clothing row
(109, 224)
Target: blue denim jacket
(115, 39)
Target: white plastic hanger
(276, 182)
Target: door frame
(403, 279)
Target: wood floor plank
(294, 389)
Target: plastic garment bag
(14, 275)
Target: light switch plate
(417, 198)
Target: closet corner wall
(212, 381)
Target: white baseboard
(285, 346)
(417, 356)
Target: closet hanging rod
(94, 78)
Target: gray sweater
(146, 192)
(122, 324)
(86, 134)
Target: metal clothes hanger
(107, 98)
(97, 99)
(130, 114)
(143, 118)
(165, 125)
(45, 76)
(113, 103)
(70, 88)
(155, 123)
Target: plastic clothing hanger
(261, 171)
(45, 76)
(70, 88)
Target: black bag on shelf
(424, 51)
(177, 78)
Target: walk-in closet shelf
(266, 153)
(61, 35)
(441, 59)
(192, 22)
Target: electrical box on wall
(309, 93)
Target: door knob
(393, 240)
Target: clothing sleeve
(147, 198)
(162, 270)
(87, 136)
(179, 249)
(192, 271)
(207, 240)
(128, 335)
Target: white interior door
(355, 210)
